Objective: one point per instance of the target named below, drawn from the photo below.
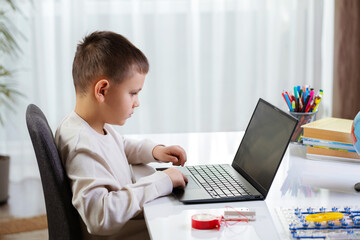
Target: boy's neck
(88, 111)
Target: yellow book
(330, 129)
(331, 152)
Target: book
(332, 152)
(331, 158)
(329, 129)
(312, 142)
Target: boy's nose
(136, 103)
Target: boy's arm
(146, 151)
(139, 151)
(103, 204)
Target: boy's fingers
(182, 158)
(185, 178)
(184, 181)
(181, 155)
(174, 160)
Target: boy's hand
(177, 178)
(174, 154)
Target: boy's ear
(101, 89)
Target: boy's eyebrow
(138, 90)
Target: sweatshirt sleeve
(103, 205)
(139, 151)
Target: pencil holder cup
(303, 118)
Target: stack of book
(329, 137)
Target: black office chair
(63, 220)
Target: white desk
(298, 182)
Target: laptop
(254, 166)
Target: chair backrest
(63, 219)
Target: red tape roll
(205, 221)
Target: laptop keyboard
(217, 181)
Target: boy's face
(123, 98)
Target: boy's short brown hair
(106, 55)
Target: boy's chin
(122, 123)
(117, 122)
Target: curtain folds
(210, 60)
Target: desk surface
(299, 182)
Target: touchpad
(192, 184)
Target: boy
(108, 74)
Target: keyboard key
(227, 192)
(199, 178)
(218, 191)
(214, 194)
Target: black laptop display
(254, 166)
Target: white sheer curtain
(210, 60)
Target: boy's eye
(134, 93)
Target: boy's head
(108, 73)
(106, 55)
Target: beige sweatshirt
(98, 168)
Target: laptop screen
(263, 145)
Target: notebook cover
(330, 129)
